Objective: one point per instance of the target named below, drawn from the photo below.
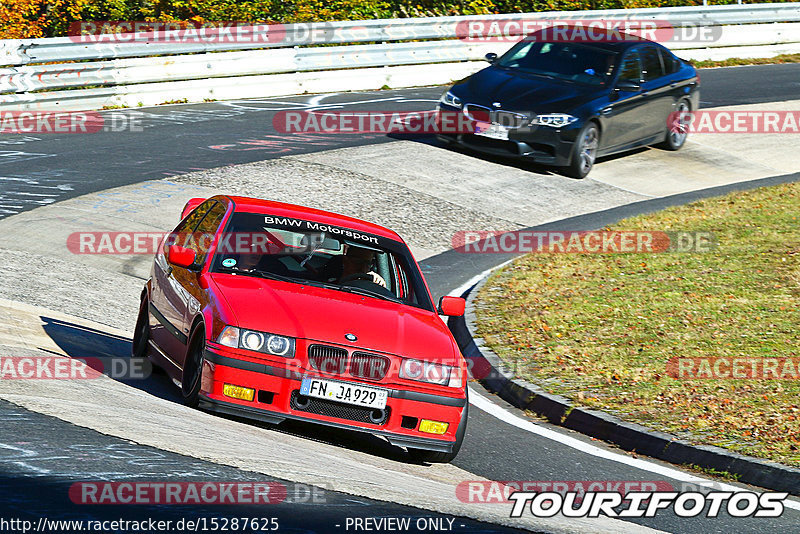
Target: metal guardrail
(286, 60)
(23, 52)
(139, 59)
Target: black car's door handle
(674, 84)
(606, 111)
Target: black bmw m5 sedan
(565, 103)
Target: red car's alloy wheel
(193, 368)
(141, 334)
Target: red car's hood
(326, 315)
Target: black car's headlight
(239, 338)
(450, 99)
(555, 120)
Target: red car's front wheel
(141, 334)
(193, 368)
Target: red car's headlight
(426, 372)
(257, 341)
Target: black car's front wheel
(679, 121)
(584, 151)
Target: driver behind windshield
(355, 263)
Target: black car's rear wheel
(433, 457)
(584, 151)
(193, 368)
(679, 121)
(141, 334)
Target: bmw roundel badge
(350, 337)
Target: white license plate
(491, 129)
(344, 392)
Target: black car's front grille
(338, 410)
(509, 119)
(327, 360)
(369, 366)
(479, 141)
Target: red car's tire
(436, 457)
(141, 334)
(193, 368)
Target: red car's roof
(270, 207)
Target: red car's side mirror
(180, 256)
(452, 306)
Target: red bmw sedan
(275, 311)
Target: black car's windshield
(565, 61)
(300, 251)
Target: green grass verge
(600, 329)
(735, 61)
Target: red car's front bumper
(277, 398)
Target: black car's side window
(630, 68)
(671, 63)
(651, 63)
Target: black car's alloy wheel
(679, 126)
(584, 151)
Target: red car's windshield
(301, 251)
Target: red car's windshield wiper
(264, 274)
(368, 293)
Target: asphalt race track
(40, 169)
(42, 455)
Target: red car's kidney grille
(327, 360)
(369, 366)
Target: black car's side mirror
(491, 57)
(628, 85)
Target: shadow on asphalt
(516, 163)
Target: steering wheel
(356, 276)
